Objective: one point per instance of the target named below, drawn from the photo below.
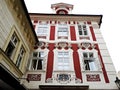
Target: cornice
(71, 17)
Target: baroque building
(41, 51)
(71, 53)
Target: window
(63, 32)
(20, 57)
(12, 45)
(37, 61)
(41, 31)
(82, 30)
(89, 61)
(63, 61)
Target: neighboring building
(71, 53)
(118, 75)
(17, 38)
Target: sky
(110, 21)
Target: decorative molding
(34, 77)
(93, 77)
(61, 78)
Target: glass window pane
(41, 54)
(92, 66)
(85, 55)
(80, 33)
(86, 63)
(34, 62)
(39, 66)
(42, 30)
(85, 32)
(62, 31)
(63, 60)
(66, 67)
(35, 54)
(91, 55)
(60, 67)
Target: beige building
(17, 38)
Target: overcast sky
(110, 21)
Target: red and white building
(71, 53)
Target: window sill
(36, 70)
(100, 71)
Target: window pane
(35, 54)
(84, 26)
(91, 55)
(85, 55)
(34, 62)
(60, 67)
(92, 66)
(10, 49)
(85, 32)
(39, 66)
(63, 61)
(60, 60)
(62, 31)
(41, 54)
(18, 61)
(66, 67)
(42, 30)
(86, 63)
(80, 33)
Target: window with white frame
(37, 61)
(62, 31)
(12, 45)
(82, 29)
(42, 30)
(63, 61)
(20, 57)
(90, 62)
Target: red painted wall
(103, 66)
(50, 61)
(72, 33)
(92, 32)
(52, 33)
(76, 61)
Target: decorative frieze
(93, 77)
(34, 77)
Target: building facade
(17, 38)
(55, 51)
(71, 53)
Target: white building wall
(110, 69)
(93, 85)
